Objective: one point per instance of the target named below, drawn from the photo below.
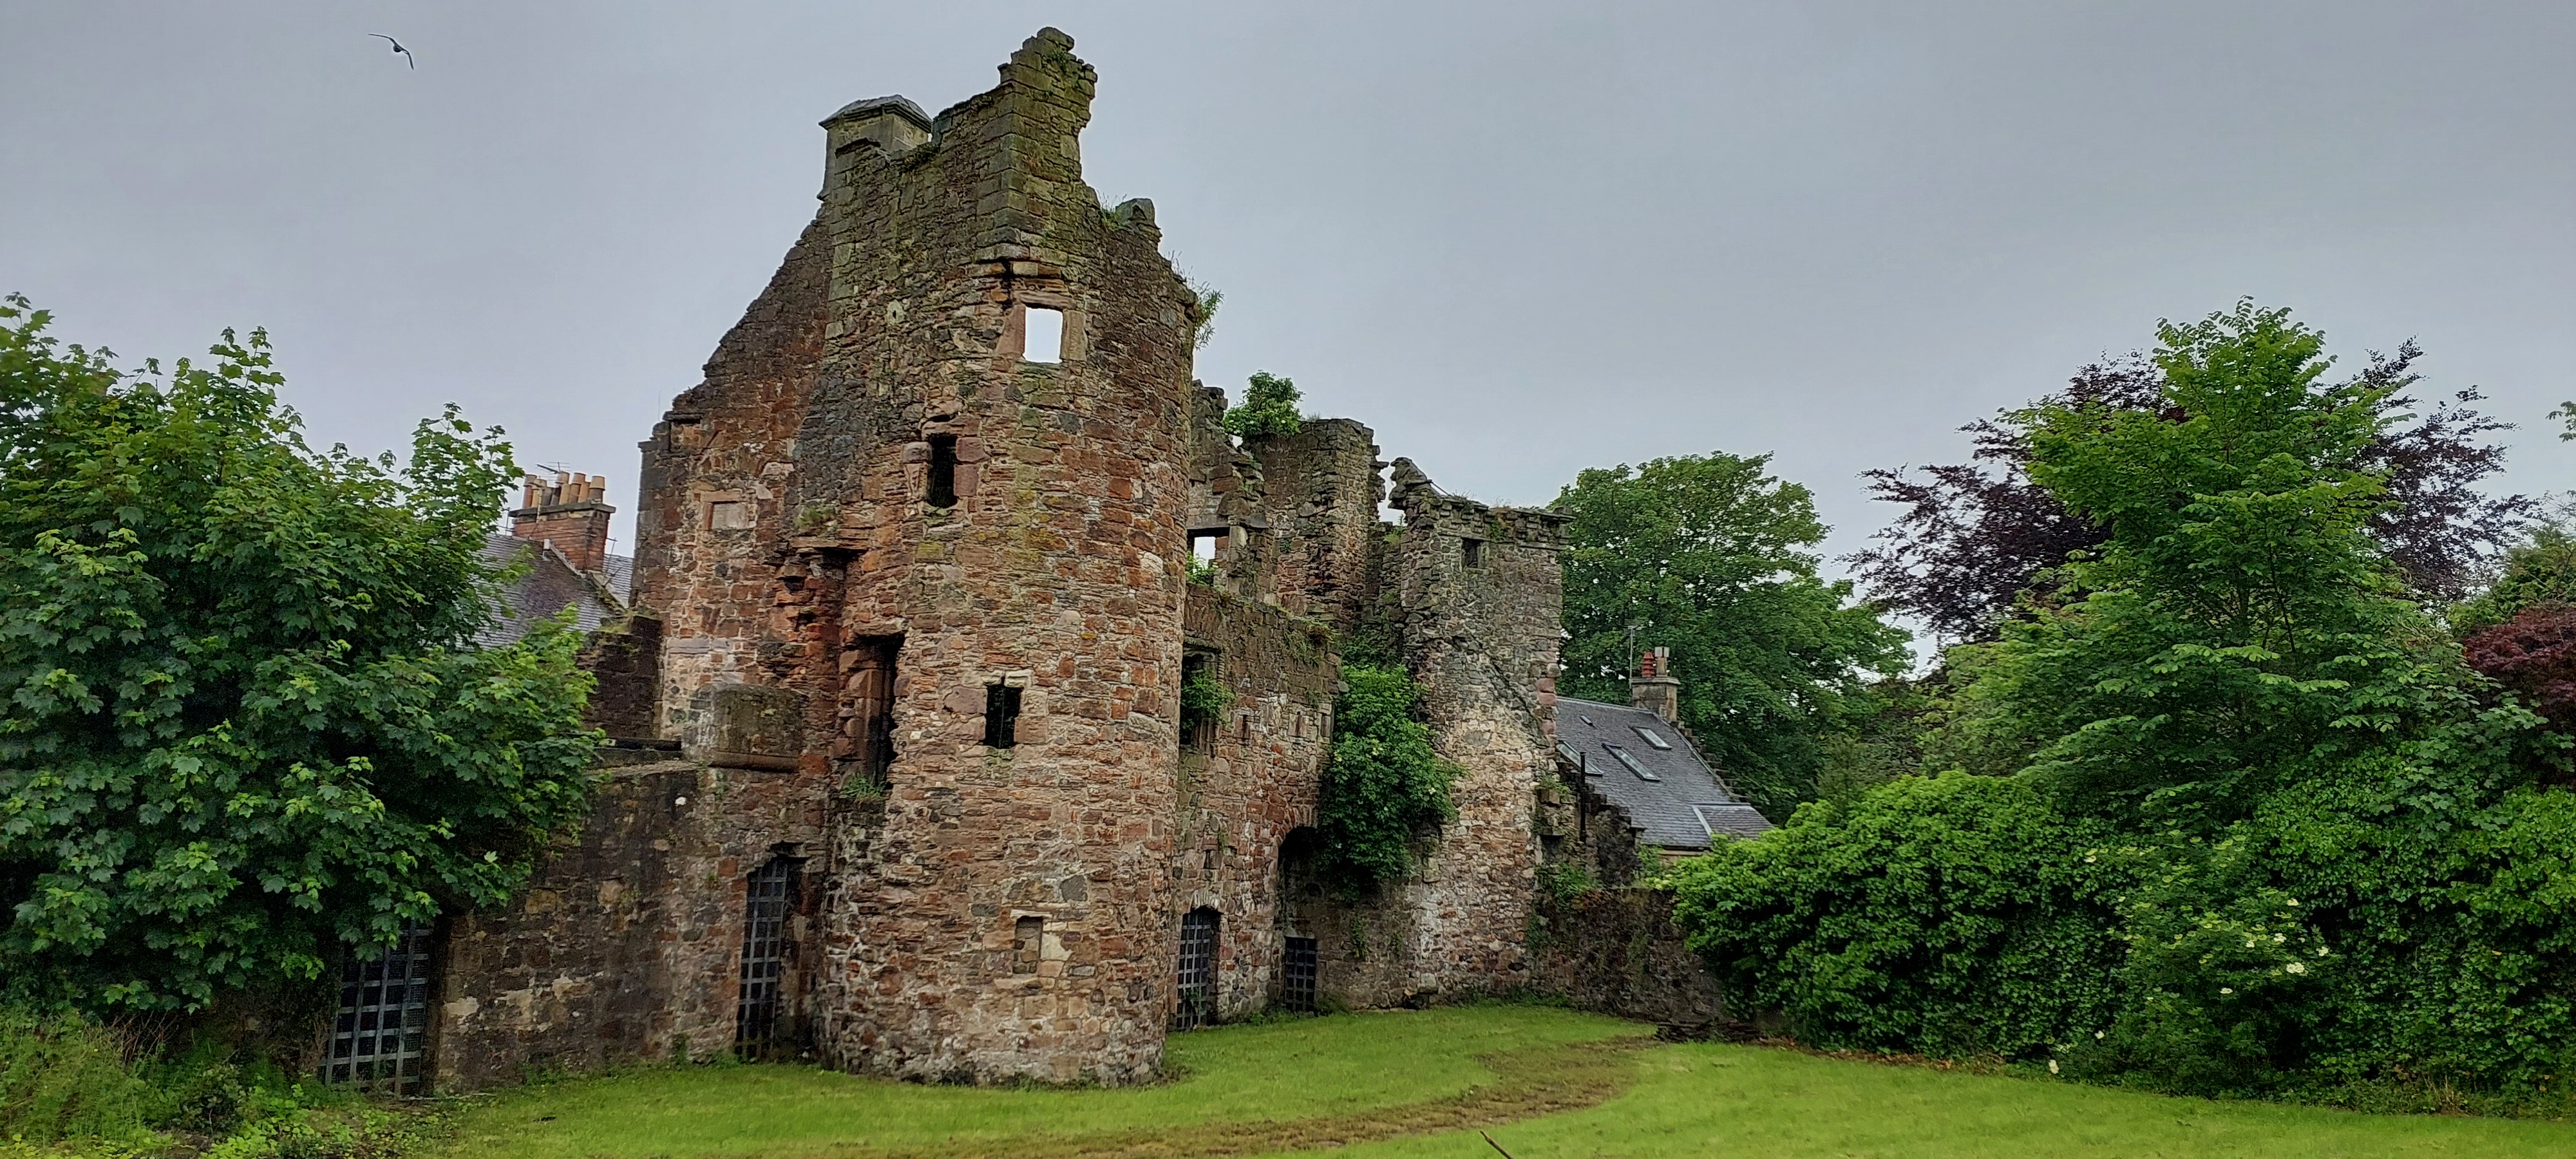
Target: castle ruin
(905, 778)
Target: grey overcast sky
(1517, 239)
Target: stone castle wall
(628, 943)
(873, 519)
(1249, 779)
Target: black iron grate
(1198, 971)
(379, 1036)
(1297, 980)
(764, 957)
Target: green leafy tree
(1386, 792)
(1711, 556)
(2316, 837)
(2539, 571)
(244, 724)
(1269, 408)
(2240, 624)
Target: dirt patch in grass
(1527, 1084)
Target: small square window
(1471, 552)
(1001, 716)
(1043, 335)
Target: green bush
(1948, 915)
(1386, 792)
(2252, 825)
(243, 724)
(1269, 408)
(63, 1076)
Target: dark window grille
(379, 1035)
(1297, 980)
(767, 899)
(943, 471)
(1001, 715)
(1198, 971)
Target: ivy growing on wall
(1387, 792)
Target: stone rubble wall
(628, 943)
(1253, 785)
(1618, 951)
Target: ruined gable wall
(1319, 498)
(1481, 640)
(1251, 783)
(713, 481)
(1057, 570)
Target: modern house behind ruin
(907, 780)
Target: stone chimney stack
(1654, 687)
(569, 512)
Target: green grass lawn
(1300, 1069)
(1410, 1079)
(1717, 1100)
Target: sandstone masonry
(913, 608)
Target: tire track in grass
(1527, 1084)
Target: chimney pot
(1654, 687)
(569, 514)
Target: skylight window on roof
(1585, 719)
(1652, 737)
(1630, 760)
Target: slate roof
(1670, 793)
(550, 585)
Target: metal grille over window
(1297, 981)
(380, 1031)
(1198, 971)
(764, 957)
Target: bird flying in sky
(405, 53)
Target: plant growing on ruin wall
(1203, 697)
(1269, 408)
(242, 720)
(1387, 792)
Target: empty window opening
(1197, 987)
(1652, 737)
(1043, 335)
(1001, 715)
(942, 489)
(729, 515)
(768, 895)
(380, 1033)
(1203, 544)
(1028, 944)
(1630, 759)
(1471, 552)
(1198, 720)
(869, 711)
(1297, 976)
